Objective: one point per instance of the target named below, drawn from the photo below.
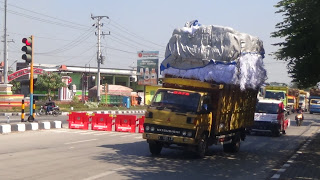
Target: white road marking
(104, 174)
(286, 165)
(276, 176)
(75, 142)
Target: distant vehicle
(277, 93)
(291, 104)
(314, 101)
(43, 111)
(303, 100)
(268, 117)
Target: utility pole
(5, 59)
(100, 58)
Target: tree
(50, 82)
(301, 47)
(16, 87)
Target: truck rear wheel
(234, 146)
(155, 148)
(202, 147)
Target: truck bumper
(169, 139)
(264, 126)
(314, 110)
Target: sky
(64, 33)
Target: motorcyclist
(299, 115)
(49, 105)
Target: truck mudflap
(169, 139)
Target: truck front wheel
(155, 148)
(202, 147)
(234, 146)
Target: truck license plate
(165, 138)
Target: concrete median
(21, 127)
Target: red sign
(23, 72)
(69, 80)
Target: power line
(45, 20)
(123, 29)
(28, 10)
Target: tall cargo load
(212, 76)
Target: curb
(21, 127)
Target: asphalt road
(90, 155)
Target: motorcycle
(43, 111)
(299, 118)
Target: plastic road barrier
(78, 120)
(126, 123)
(102, 122)
(140, 125)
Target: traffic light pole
(31, 116)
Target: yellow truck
(193, 115)
(277, 93)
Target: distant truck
(193, 115)
(291, 104)
(277, 93)
(303, 100)
(314, 101)
(293, 99)
(268, 117)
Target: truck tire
(311, 112)
(155, 148)
(202, 147)
(234, 146)
(276, 131)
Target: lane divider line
(75, 142)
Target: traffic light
(27, 48)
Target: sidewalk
(305, 164)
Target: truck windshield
(290, 100)
(176, 100)
(315, 101)
(269, 108)
(275, 95)
(301, 98)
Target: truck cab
(291, 104)
(314, 104)
(268, 117)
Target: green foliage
(301, 47)
(16, 87)
(49, 82)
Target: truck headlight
(147, 128)
(148, 114)
(152, 128)
(189, 134)
(184, 133)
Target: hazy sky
(64, 33)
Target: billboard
(147, 67)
